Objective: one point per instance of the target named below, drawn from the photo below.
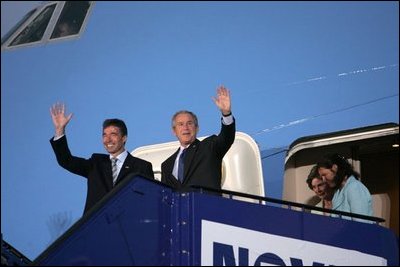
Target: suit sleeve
(65, 159)
(148, 170)
(226, 137)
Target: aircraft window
(16, 27)
(71, 19)
(35, 30)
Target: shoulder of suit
(136, 158)
(170, 158)
(209, 138)
(100, 156)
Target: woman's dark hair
(313, 174)
(120, 124)
(343, 167)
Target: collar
(121, 157)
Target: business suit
(97, 170)
(203, 161)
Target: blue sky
(294, 69)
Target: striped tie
(114, 169)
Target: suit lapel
(169, 167)
(126, 168)
(190, 155)
(106, 165)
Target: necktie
(114, 169)
(181, 166)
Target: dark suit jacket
(97, 170)
(203, 161)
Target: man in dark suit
(102, 171)
(198, 163)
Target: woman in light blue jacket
(350, 194)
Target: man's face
(185, 129)
(113, 140)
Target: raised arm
(60, 121)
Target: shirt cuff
(55, 138)
(228, 120)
